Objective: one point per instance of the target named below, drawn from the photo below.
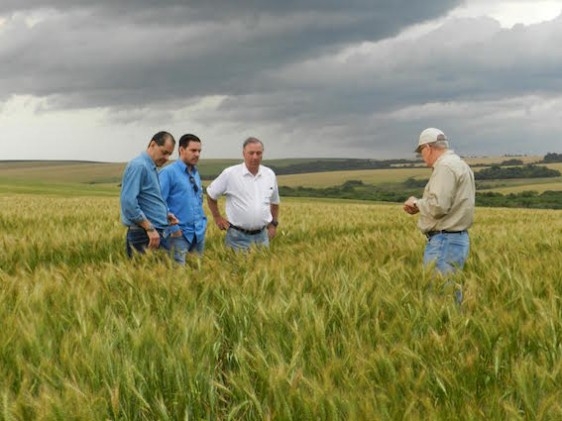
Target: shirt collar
(443, 155)
(183, 167)
(246, 171)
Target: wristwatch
(150, 229)
(274, 222)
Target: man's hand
(222, 223)
(172, 220)
(271, 231)
(410, 205)
(153, 239)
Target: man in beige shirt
(447, 206)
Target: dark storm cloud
(466, 60)
(326, 78)
(128, 53)
(216, 9)
(469, 76)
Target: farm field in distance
(334, 178)
(521, 185)
(336, 321)
(27, 174)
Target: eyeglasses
(194, 184)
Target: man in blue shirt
(183, 193)
(143, 210)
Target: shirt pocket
(268, 195)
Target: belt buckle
(431, 234)
(247, 231)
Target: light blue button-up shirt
(183, 194)
(141, 197)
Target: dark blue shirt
(141, 197)
(183, 193)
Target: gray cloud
(323, 78)
(124, 53)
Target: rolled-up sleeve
(275, 196)
(218, 186)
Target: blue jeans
(179, 247)
(238, 240)
(448, 252)
(137, 241)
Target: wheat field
(336, 321)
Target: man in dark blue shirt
(183, 193)
(143, 210)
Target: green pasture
(520, 185)
(62, 172)
(555, 166)
(58, 188)
(334, 178)
(399, 175)
(102, 172)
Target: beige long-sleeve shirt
(448, 199)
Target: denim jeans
(179, 247)
(137, 241)
(238, 240)
(448, 252)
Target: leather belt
(245, 231)
(139, 228)
(430, 234)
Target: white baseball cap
(430, 135)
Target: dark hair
(251, 140)
(186, 138)
(161, 137)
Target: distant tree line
(528, 199)
(326, 165)
(398, 193)
(323, 165)
(552, 157)
(512, 162)
(352, 189)
(495, 172)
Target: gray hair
(441, 144)
(251, 140)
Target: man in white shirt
(252, 200)
(447, 206)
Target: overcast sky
(310, 78)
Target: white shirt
(248, 197)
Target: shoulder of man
(135, 164)
(169, 168)
(267, 170)
(454, 163)
(225, 173)
(233, 169)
